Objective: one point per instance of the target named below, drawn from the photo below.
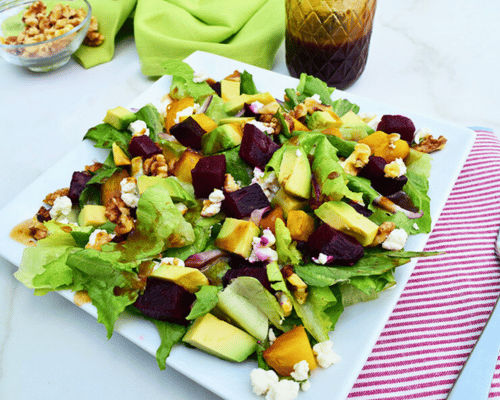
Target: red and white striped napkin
(448, 298)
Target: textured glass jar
(329, 39)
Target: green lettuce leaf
(247, 85)
(206, 299)
(150, 115)
(286, 249)
(104, 135)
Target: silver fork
(474, 380)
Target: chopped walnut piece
(38, 231)
(156, 166)
(230, 184)
(299, 111)
(43, 215)
(430, 145)
(118, 213)
(51, 197)
(272, 122)
(383, 232)
(93, 38)
(93, 168)
(235, 76)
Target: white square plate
(359, 326)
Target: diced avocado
(287, 202)
(230, 90)
(119, 118)
(189, 278)
(243, 313)
(353, 127)
(295, 172)
(119, 156)
(175, 189)
(172, 149)
(236, 236)
(92, 215)
(223, 137)
(232, 107)
(320, 120)
(221, 339)
(236, 120)
(342, 217)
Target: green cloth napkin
(111, 15)
(246, 30)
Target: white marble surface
(434, 57)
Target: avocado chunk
(235, 105)
(230, 90)
(189, 278)
(353, 127)
(295, 172)
(243, 313)
(320, 120)
(343, 217)
(92, 215)
(221, 339)
(119, 118)
(236, 236)
(223, 137)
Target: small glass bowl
(49, 54)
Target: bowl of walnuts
(42, 35)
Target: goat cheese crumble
(396, 240)
(138, 128)
(130, 192)
(62, 207)
(325, 356)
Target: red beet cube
(256, 147)
(241, 203)
(78, 182)
(344, 249)
(143, 146)
(209, 174)
(188, 133)
(397, 124)
(165, 301)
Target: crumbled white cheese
(129, 192)
(396, 240)
(262, 380)
(138, 128)
(261, 126)
(62, 206)
(322, 259)
(357, 159)
(285, 389)
(421, 134)
(186, 112)
(200, 76)
(325, 356)
(262, 250)
(395, 169)
(269, 183)
(393, 138)
(298, 153)
(300, 371)
(305, 386)
(216, 196)
(255, 106)
(93, 236)
(213, 205)
(415, 226)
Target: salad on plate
(239, 223)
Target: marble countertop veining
(433, 57)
